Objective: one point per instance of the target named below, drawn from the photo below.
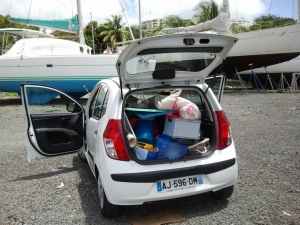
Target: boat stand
(281, 87)
(238, 76)
(270, 80)
(255, 78)
(2, 95)
(294, 84)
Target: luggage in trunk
(163, 134)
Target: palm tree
(174, 21)
(112, 31)
(206, 10)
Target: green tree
(189, 23)
(206, 10)
(269, 21)
(155, 32)
(5, 23)
(88, 35)
(234, 28)
(173, 21)
(135, 31)
(113, 31)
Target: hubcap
(100, 193)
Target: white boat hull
(69, 73)
(263, 48)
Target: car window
(92, 105)
(183, 61)
(100, 102)
(47, 101)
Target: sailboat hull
(68, 73)
(264, 48)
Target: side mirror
(71, 107)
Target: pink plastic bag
(187, 109)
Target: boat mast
(140, 20)
(80, 21)
(123, 10)
(298, 19)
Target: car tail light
(223, 130)
(114, 141)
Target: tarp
(68, 25)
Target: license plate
(179, 183)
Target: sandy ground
(266, 131)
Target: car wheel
(223, 194)
(82, 156)
(108, 210)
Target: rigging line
(293, 10)
(166, 10)
(35, 12)
(149, 13)
(72, 8)
(9, 7)
(107, 16)
(270, 7)
(29, 11)
(64, 6)
(54, 12)
(179, 7)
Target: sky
(100, 10)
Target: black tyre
(223, 194)
(82, 156)
(108, 210)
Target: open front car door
(54, 127)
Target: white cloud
(101, 10)
(151, 9)
(246, 9)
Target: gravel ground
(266, 131)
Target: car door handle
(66, 120)
(96, 131)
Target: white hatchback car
(137, 145)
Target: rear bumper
(150, 177)
(124, 189)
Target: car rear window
(179, 61)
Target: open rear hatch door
(172, 59)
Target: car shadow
(10, 101)
(189, 207)
(61, 170)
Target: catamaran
(72, 72)
(42, 59)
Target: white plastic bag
(168, 103)
(190, 112)
(187, 109)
